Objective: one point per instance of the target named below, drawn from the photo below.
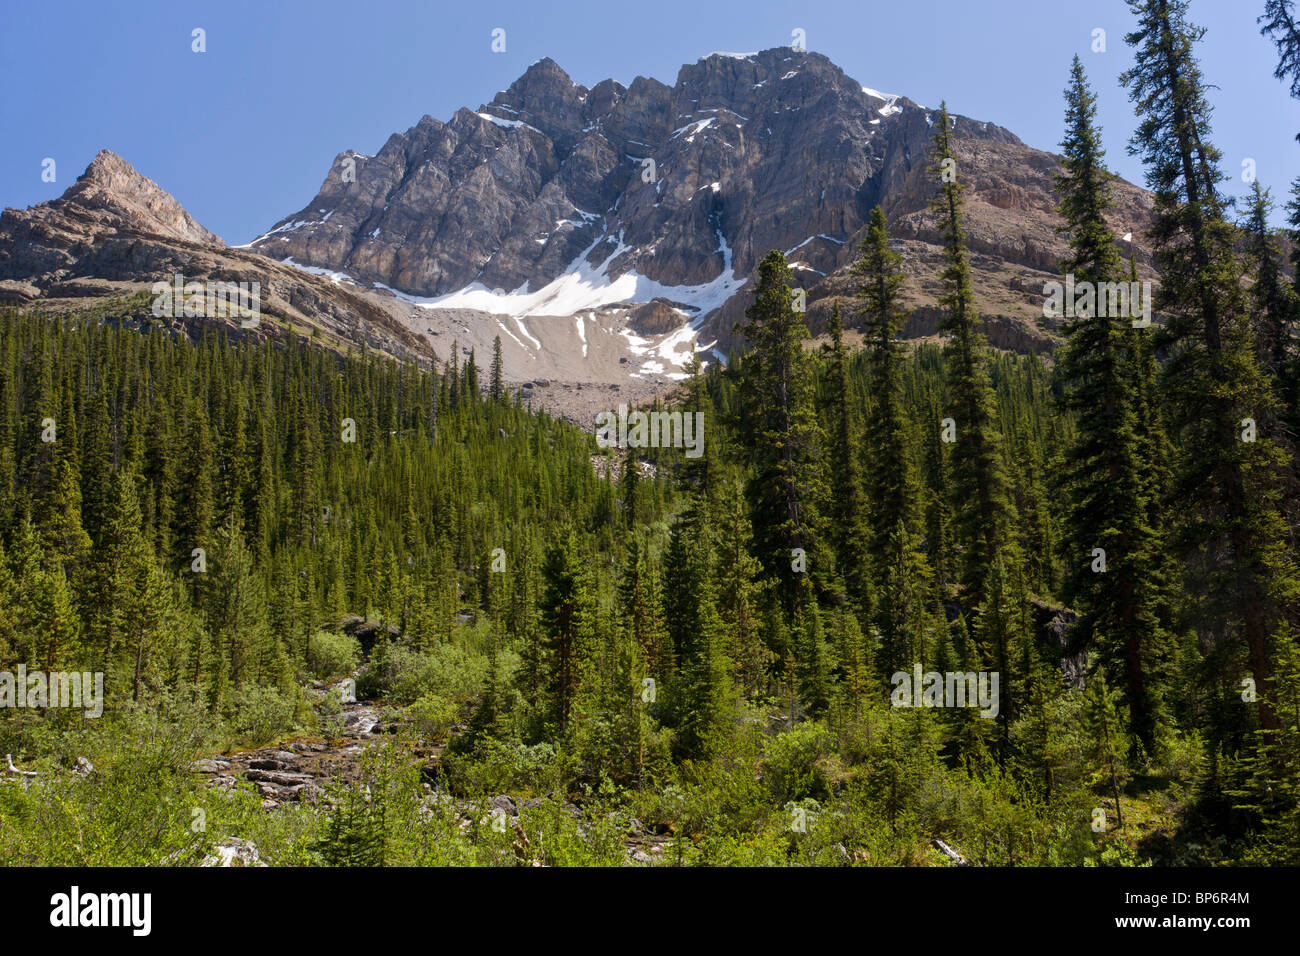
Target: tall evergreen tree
(1240, 583)
(568, 625)
(1273, 303)
(849, 507)
(782, 435)
(1111, 548)
(498, 385)
(979, 481)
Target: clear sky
(244, 133)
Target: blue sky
(244, 133)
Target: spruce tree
(782, 435)
(979, 481)
(849, 507)
(1110, 549)
(891, 479)
(1273, 306)
(498, 385)
(568, 625)
(1240, 583)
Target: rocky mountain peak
(115, 232)
(111, 184)
(543, 77)
(555, 197)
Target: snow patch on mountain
(583, 287)
(890, 101)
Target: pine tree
(701, 688)
(814, 662)
(498, 385)
(64, 537)
(235, 609)
(849, 507)
(1280, 25)
(1107, 506)
(979, 482)
(740, 595)
(196, 510)
(45, 628)
(780, 429)
(938, 515)
(1106, 745)
(568, 623)
(892, 483)
(1273, 303)
(1239, 584)
(640, 606)
(890, 479)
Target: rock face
(676, 192)
(114, 233)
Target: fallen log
(950, 853)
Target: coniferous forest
(577, 655)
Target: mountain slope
(114, 233)
(542, 202)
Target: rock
(278, 779)
(1055, 625)
(18, 292)
(346, 690)
(233, 852)
(505, 803)
(208, 765)
(360, 722)
(655, 317)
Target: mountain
(543, 204)
(604, 234)
(114, 233)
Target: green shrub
(261, 715)
(404, 675)
(793, 770)
(432, 716)
(332, 655)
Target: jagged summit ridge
(551, 178)
(555, 197)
